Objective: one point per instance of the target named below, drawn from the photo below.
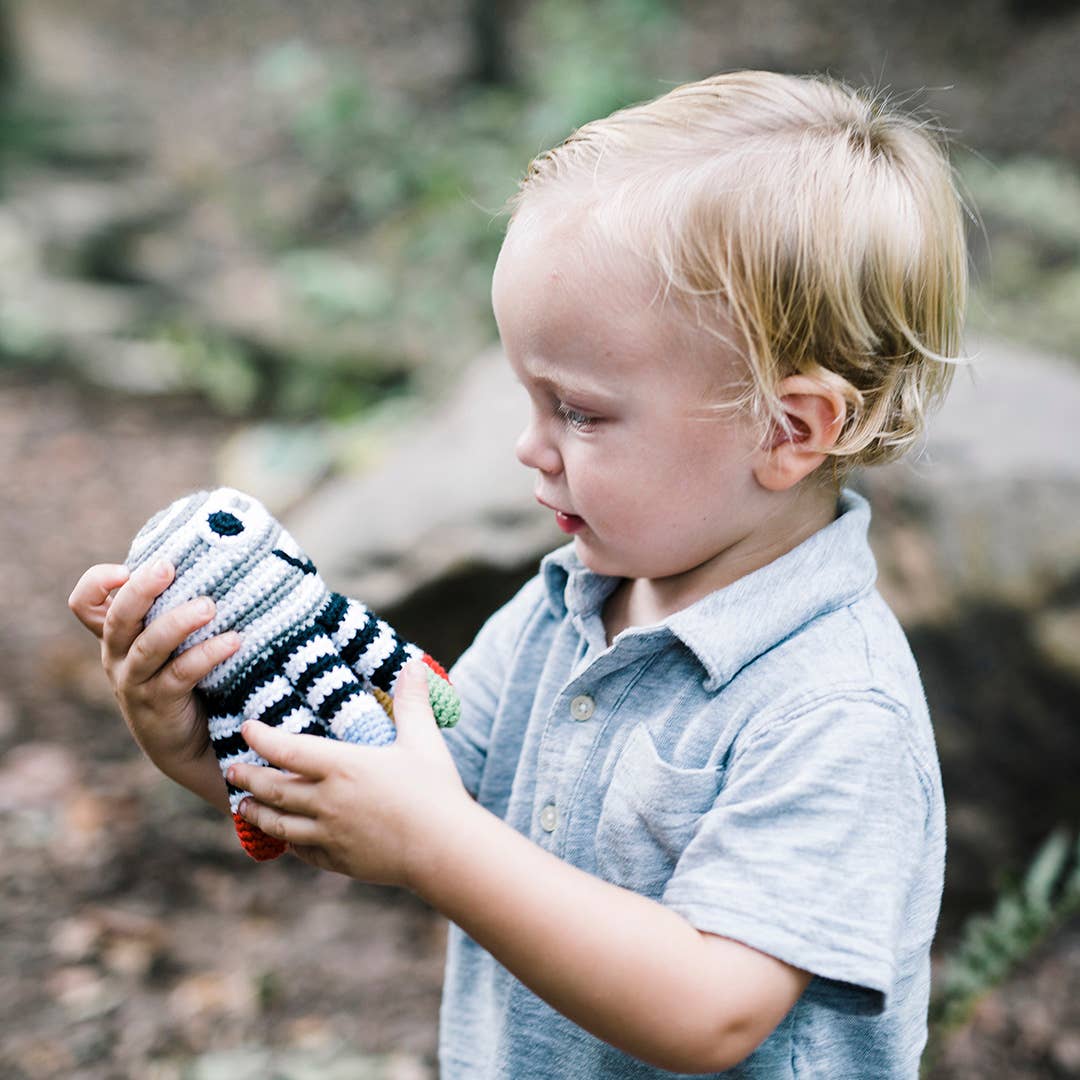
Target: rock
(206, 1001)
(59, 314)
(339, 1063)
(133, 367)
(278, 463)
(280, 317)
(37, 775)
(76, 939)
(1066, 1053)
(448, 495)
(78, 223)
(42, 1057)
(994, 501)
(82, 990)
(1058, 635)
(7, 717)
(19, 253)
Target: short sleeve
(479, 677)
(811, 847)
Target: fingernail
(205, 606)
(230, 775)
(161, 568)
(409, 676)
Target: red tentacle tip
(435, 666)
(255, 842)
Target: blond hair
(820, 224)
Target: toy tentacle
(337, 696)
(376, 653)
(229, 748)
(263, 692)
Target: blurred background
(251, 243)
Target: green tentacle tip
(445, 703)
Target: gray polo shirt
(761, 762)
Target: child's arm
(624, 967)
(155, 692)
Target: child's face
(649, 483)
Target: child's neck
(648, 601)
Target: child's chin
(599, 562)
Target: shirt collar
(730, 627)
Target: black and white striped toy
(312, 660)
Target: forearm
(621, 966)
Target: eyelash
(576, 419)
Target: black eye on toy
(225, 524)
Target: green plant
(34, 127)
(215, 367)
(1027, 278)
(336, 289)
(1037, 195)
(592, 59)
(993, 944)
(401, 230)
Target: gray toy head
(227, 545)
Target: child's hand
(155, 692)
(374, 813)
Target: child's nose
(535, 451)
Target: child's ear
(815, 414)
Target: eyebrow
(563, 387)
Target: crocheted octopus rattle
(312, 661)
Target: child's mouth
(569, 523)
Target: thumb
(412, 705)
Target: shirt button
(582, 707)
(549, 818)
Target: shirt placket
(579, 720)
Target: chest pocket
(648, 815)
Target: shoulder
(531, 599)
(849, 675)
(856, 645)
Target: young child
(706, 830)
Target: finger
(150, 651)
(412, 703)
(286, 792)
(194, 664)
(291, 828)
(312, 756)
(90, 599)
(124, 620)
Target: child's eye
(574, 418)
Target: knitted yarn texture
(311, 660)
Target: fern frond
(993, 944)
